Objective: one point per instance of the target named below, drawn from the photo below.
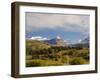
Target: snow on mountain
(39, 38)
(58, 41)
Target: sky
(70, 27)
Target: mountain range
(82, 43)
(58, 41)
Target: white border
(52, 69)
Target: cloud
(39, 21)
(39, 38)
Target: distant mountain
(56, 41)
(82, 43)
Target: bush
(65, 59)
(28, 57)
(85, 56)
(39, 62)
(77, 61)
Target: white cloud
(39, 38)
(38, 21)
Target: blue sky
(71, 28)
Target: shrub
(28, 57)
(85, 56)
(40, 62)
(32, 64)
(77, 61)
(65, 59)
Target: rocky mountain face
(56, 42)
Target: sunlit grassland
(42, 54)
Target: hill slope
(34, 44)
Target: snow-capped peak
(58, 37)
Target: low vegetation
(42, 54)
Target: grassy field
(42, 54)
